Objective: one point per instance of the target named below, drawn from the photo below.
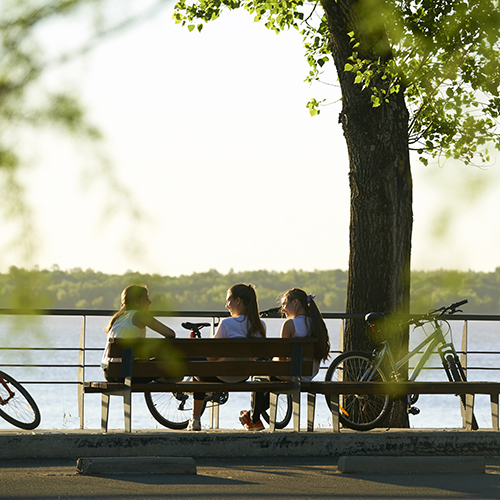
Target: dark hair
(130, 299)
(318, 327)
(247, 294)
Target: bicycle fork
(3, 402)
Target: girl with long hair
(242, 304)
(303, 319)
(132, 319)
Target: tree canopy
(88, 289)
(442, 55)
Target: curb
(412, 465)
(59, 444)
(136, 465)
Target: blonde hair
(130, 299)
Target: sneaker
(194, 425)
(246, 421)
(257, 426)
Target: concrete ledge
(412, 465)
(72, 444)
(136, 465)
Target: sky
(210, 134)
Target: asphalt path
(228, 479)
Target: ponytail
(318, 326)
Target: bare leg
(197, 408)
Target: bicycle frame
(433, 341)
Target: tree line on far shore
(88, 289)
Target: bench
(334, 389)
(246, 357)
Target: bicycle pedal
(413, 410)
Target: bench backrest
(246, 357)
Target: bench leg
(104, 412)
(213, 415)
(273, 408)
(334, 405)
(311, 407)
(127, 404)
(469, 411)
(494, 411)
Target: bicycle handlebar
(373, 318)
(436, 313)
(267, 312)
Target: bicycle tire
(458, 375)
(21, 409)
(171, 409)
(283, 411)
(360, 412)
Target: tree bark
(381, 189)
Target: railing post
(213, 409)
(81, 373)
(341, 336)
(463, 362)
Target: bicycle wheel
(171, 409)
(283, 411)
(360, 412)
(457, 373)
(20, 408)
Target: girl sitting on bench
(244, 322)
(131, 322)
(303, 319)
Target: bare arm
(143, 318)
(288, 329)
(287, 332)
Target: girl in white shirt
(241, 302)
(131, 321)
(303, 319)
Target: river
(59, 405)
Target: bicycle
(364, 412)
(16, 404)
(173, 409)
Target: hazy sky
(211, 134)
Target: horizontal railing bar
(45, 348)
(222, 314)
(49, 366)
(49, 382)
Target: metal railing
(215, 316)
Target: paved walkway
(252, 478)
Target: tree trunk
(381, 191)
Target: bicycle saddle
(374, 317)
(194, 326)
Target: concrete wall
(76, 444)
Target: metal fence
(82, 349)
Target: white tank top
(122, 327)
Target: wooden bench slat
(230, 348)
(402, 387)
(249, 386)
(215, 368)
